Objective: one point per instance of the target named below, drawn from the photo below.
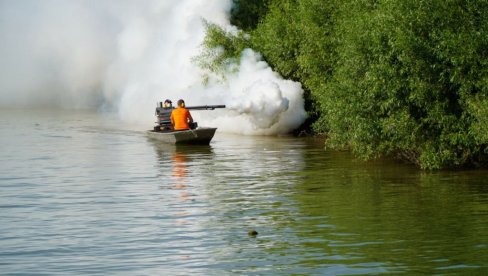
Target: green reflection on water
(326, 213)
(388, 215)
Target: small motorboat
(199, 135)
(195, 135)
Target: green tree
(246, 14)
(384, 77)
(221, 50)
(406, 72)
(278, 38)
(295, 39)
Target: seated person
(164, 116)
(181, 117)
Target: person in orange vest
(181, 117)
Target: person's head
(181, 103)
(167, 103)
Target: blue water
(82, 194)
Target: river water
(82, 194)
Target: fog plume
(124, 56)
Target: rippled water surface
(80, 194)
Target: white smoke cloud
(259, 101)
(126, 55)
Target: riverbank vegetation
(382, 77)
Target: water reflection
(179, 165)
(321, 212)
(237, 185)
(383, 216)
(112, 201)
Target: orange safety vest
(180, 118)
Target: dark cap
(168, 101)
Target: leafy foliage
(403, 82)
(387, 77)
(246, 14)
(221, 50)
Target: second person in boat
(181, 117)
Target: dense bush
(407, 79)
(245, 14)
(388, 77)
(221, 50)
